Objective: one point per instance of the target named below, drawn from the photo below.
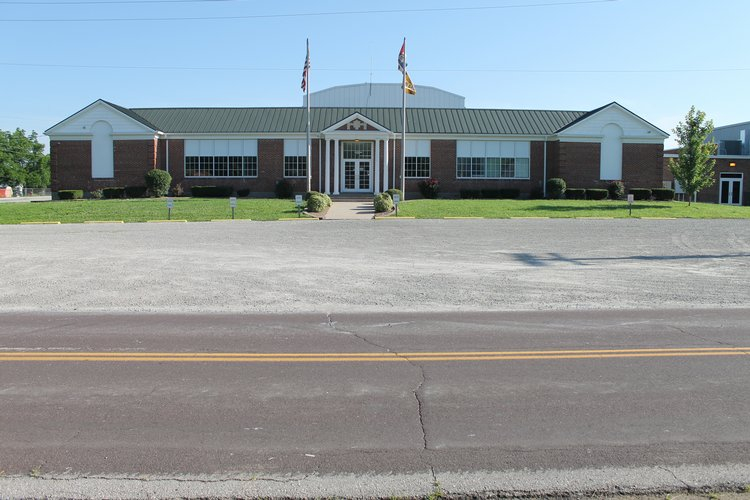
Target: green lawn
(497, 209)
(141, 210)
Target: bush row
(494, 194)
(557, 189)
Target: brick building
(356, 149)
(731, 170)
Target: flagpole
(309, 144)
(403, 129)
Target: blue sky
(655, 57)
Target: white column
(328, 166)
(336, 166)
(377, 166)
(386, 165)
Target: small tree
(694, 168)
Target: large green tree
(22, 160)
(694, 168)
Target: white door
(357, 176)
(357, 167)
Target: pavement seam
(164, 479)
(416, 391)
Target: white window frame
(221, 148)
(479, 152)
(417, 150)
(295, 151)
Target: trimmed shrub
(212, 191)
(616, 190)
(509, 193)
(556, 188)
(70, 194)
(307, 195)
(158, 182)
(470, 194)
(536, 193)
(284, 189)
(640, 194)
(113, 192)
(96, 194)
(243, 193)
(393, 191)
(575, 193)
(663, 194)
(317, 202)
(382, 202)
(597, 194)
(429, 188)
(135, 191)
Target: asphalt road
(651, 399)
(350, 358)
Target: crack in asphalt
(417, 391)
(689, 487)
(714, 341)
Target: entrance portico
(355, 144)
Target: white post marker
(396, 201)
(233, 205)
(631, 198)
(170, 205)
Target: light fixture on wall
(732, 164)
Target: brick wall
(443, 168)
(70, 164)
(578, 164)
(270, 169)
(642, 165)
(132, 160)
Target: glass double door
(357, 167)
(730, 188)
(357, 174)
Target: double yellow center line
(351, 357)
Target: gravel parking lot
(376, 266)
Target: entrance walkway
(350, 210)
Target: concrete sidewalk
(25, 199)
(350, 210)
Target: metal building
(382, 95)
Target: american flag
(306, 70)
(402, 58)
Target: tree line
(22, 160)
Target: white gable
(80, 125)
(356, 123)
(592, 128)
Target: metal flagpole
(403, 124)
(309, 144)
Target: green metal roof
(294, 120)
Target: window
(295, 158)
(492, 160)
(221, 158)
(357, 150)
(417, 159)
